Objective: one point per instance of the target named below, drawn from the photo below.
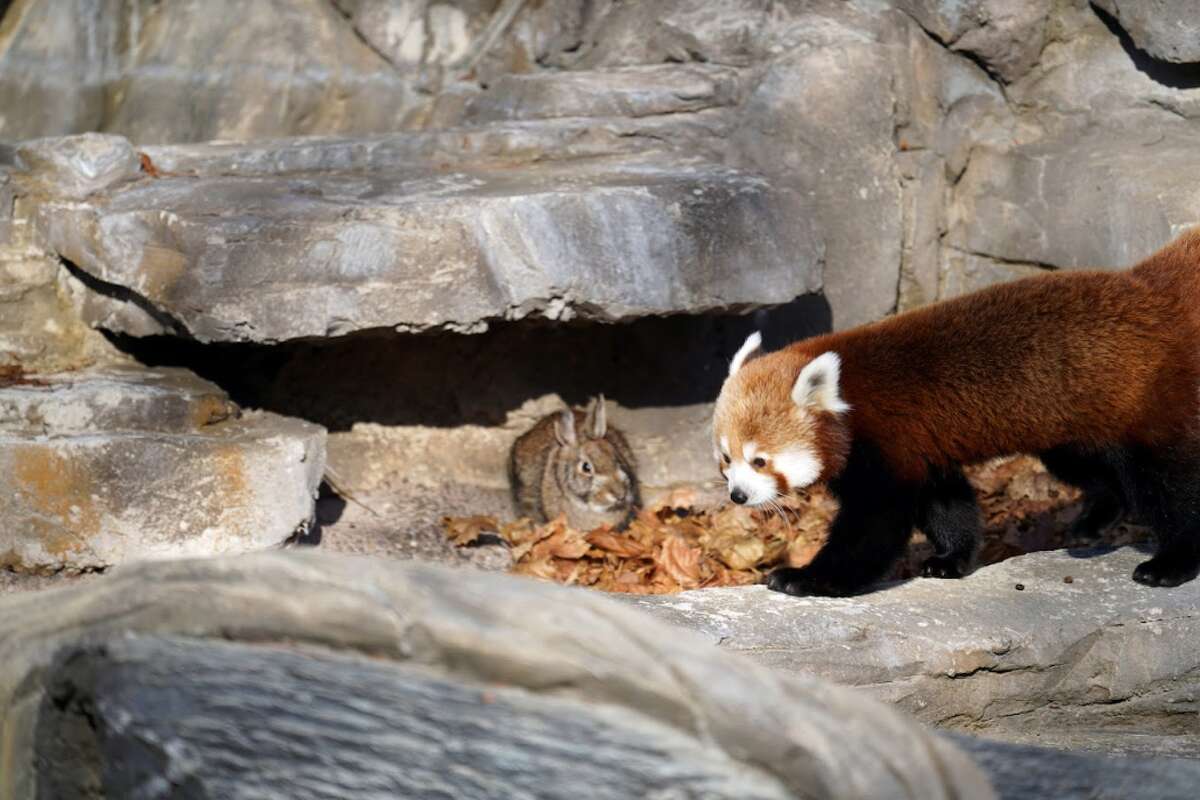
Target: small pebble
(1020, 587)
(1068, 579)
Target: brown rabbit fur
(572, 462)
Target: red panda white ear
(817, 385)
(752, 343)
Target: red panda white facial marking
(749, 478)
(800, 467)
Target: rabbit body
(571, 462)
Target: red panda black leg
(872, 527)
(1097, 473)
(1167, 489)
(949, 515)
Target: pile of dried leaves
(674, 545)
(667, 548)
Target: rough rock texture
(574, 681)
(1097, 663)
(303, 255)
(871, 110)
(1021, 772)
(130, 65)
(1006, 37)
(39, 324)
(1166, 29)
(112, 465)
(73, 167)
(1081, 201)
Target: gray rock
(727, 32)
(112, 465)
(785, 130)
(1099, 658)
(1166, 29)
(429, 736)
(624, 92)
(963, 273)
(1021, 772)
(494, 145)
(74, 167)
(300, 255)
(112, 398)
(1093, 200)
(1087, 79)
(1007, 37)
(130, 67)
(563, 680)
(51, 68)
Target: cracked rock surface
(1100, 662)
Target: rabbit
(573, 462)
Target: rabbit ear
(596, 423)
(564, 428)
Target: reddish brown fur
(1088, 357)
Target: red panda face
(778, 425)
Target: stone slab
(312, 255)
(114, 464)
(1100, 655)
(112, 398)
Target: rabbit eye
(586, 466)
(760, 462)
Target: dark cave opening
(448, 380)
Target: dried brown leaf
(624, 546)
(679, 560)
(466, 530)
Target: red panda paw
(1160, 571)
(804, 582)
(944, 567)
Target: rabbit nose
(738, 496)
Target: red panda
(1096, 372)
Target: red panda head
(779, 423)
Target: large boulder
(417, 680)
(117, 464)
(1054, 648)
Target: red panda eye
(760, 462)
(726, 459)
